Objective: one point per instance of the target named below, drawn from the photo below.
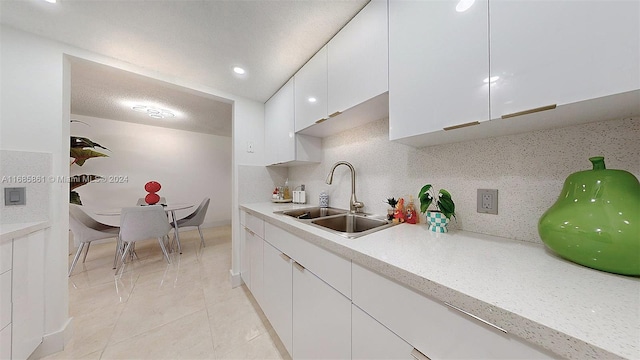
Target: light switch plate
(15, 196)
(488, 201)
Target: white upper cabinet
(311, 91)
(438, 63)
(358, 59)
(282, 145)
(561, 52)
(279, 126)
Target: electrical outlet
(249, 147)
(488, 201)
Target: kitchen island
(567, 309)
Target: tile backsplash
(527, 169)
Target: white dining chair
(86, 229)
(142, 223)
(195, 219)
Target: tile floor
(153, 310)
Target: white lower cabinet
(323, 306)
(438, 331)
(372, 341)
(27, 294)
(278, 297)
(321, 318)
(255, 247)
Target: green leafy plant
(82, 150)
(443, 203)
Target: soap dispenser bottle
(287, 193)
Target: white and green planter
(437, 222)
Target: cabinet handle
(335, 114)
(416, 354)
(530, 111)
(250, 232)
(298, 266)
(285, 257)
(321, 120)
(475, 317)
(461, 125)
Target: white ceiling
(195, 41)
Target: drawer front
(331, 268)
(5, 299)
(6, 249)
(254, 224)
(243, 217)
(436, 330)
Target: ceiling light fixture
(153, 112)
(238, 70)
(312, 99)
(491, 79)
(464, 5)
(51, 1)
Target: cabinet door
(358, 59)
(279, 139)
(245, 258)
(321, 318)
(311, 91)
(438, 61)
(559, 52)
(256, 246)
(28, 294)
(278, 298)
(5, 299)
(371, 340)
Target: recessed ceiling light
(51, 1)
(464, 5)
(312, 99)
(238, 70)
(491, 79)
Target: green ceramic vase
(596, 220)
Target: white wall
(190, 166)
(527, 169)
(34, 94)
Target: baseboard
(235, 279)
(54, 342)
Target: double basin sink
(339, 221)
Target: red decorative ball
(152, 198)
(152, 186)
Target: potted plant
(81, 149)
(438, 219)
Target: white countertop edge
(545, 335)
(12, 231)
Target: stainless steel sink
(351, 223)
(339, 221)
(313, 213)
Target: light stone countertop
(574, 311)
(11, 231)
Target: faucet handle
(358, 205)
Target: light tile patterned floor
(153, 310)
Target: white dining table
(168, 208)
